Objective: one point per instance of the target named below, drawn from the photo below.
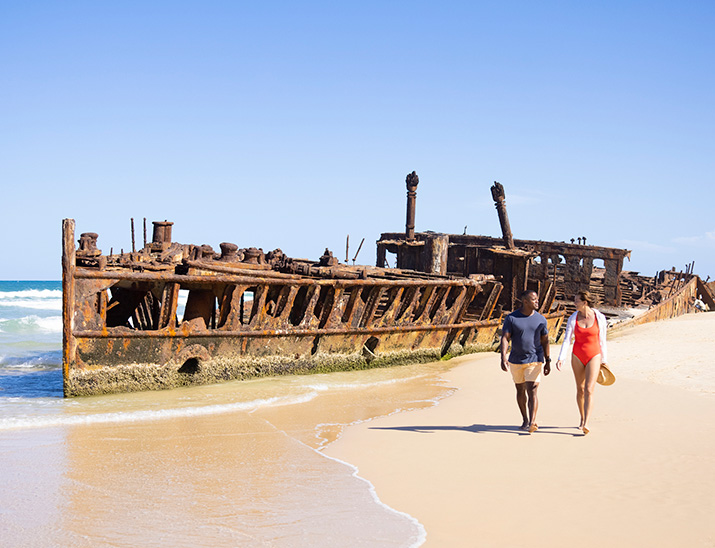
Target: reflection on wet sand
(203, 467)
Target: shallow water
(234, 464)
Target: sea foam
(22, 423)
(38, 299)
(31, 324)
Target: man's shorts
(526, 372)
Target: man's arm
(547, 353)
(504, 346)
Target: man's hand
(547, 366)
(504, 350)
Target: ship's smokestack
(412, 181)
(500, 203)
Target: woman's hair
(587, 297)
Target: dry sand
(644, 476)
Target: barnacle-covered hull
(246, 314)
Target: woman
(588, 327)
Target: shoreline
(242, 457)
(641, 477)
(421, 531)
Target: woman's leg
(579, 373)
(591, 376)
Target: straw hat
(605, 376)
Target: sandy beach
(644, 476)
(243, 463)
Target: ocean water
(30, 340)
(232, 464)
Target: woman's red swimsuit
(586, 344)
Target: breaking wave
(31, 324)
(37, 299)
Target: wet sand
(644, 476)
(235, 464)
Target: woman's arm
(567, 337)
(602, 329)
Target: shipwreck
(170, 314)
(555, 270)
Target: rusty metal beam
(83, 273)
(499, 202)
(411, 181)
(238, 269)
(491, 302)
(167, 334)
(68, 272)
(594, 251)
(371, 306)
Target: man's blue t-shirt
(526, 332)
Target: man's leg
(521, 401)
(533, 404)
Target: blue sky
(294, 124)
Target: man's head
(529, 301)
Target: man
(528, 333)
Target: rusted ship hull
(680, 297)
(250, 314)
(242, 319)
